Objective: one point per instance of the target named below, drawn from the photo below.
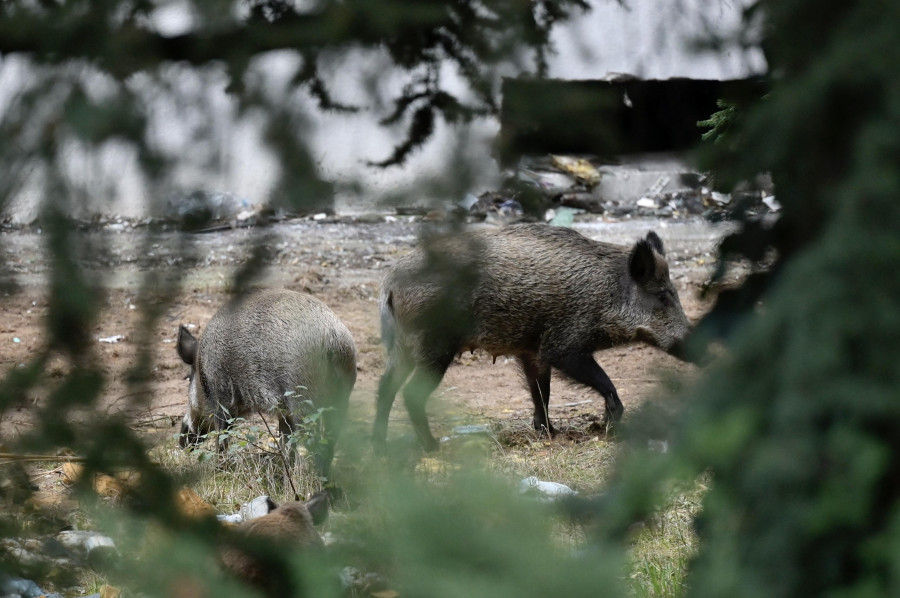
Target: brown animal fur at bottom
(290, 526)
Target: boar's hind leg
(582, 368)
(537, 375)
(398, 370)
(420, 386)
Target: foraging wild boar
(292, 526)
(546, 295)
(256, 349)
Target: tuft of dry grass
(252, 465)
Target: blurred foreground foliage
(798, 424)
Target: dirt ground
(335, 260)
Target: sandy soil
(338, 262)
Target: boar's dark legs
(420, 386)
(398, 370)
(582, 368)
(537, 375)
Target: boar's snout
(691, 349)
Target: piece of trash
(564, 216)
(16, 339)
(646, 202)
(576, 403)
(583, 170)
(467, 202)
(546, 180)
(723, 199)
(320, 216)
(472, 429)
(245, 215)
(16, 586)
(771, 203)
(507, 211)
(111, 339)
(259, 506)
(511, 209)
(532, 486)
(84, 542)
(233, 518)
(660, 184)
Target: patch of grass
(665, 544)
(251, 466)
(581, 460)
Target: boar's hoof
(188, 438)
(545, 428)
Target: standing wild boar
(270, 350)
(546, 295)
(289, 526)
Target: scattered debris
(16, 586)
(548, 491)
(583, 171)
(83, 542)
(472, 429)
(771, 203)
(259, 506)
(648, 186)
(365, 584)
(207, 207)
(112, 339)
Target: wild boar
(270, 350)
(546, 295)
(292, 526)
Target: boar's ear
(656, 243)
(318, 507)
(187, 346)
(642, 262)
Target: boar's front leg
(537, 375)
(582, 368)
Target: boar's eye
(666, 298)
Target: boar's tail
(388, 322)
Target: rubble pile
(648, 186)
(538, 188)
